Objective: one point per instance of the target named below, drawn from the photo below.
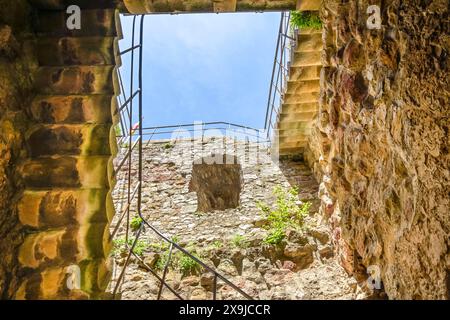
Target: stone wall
(380, 146)
(16, 63)
(232, 241)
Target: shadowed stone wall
(162, 6)
(17, 61)
(381, 143)
(217, 185)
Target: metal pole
(273, 69)
(141, 51)
(130, 151)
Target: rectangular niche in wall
(218, 184)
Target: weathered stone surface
(68, 174)
(96, 22)
(145, 6)
(53, 209)
(75, 80)
(17, 64)
(230, 240)
(77, 51)
(85, 140)
(301, 254)
(380, 146)
(218, 185)
(73, 109)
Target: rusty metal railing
(286, 43)
(134, 134)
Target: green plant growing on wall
(175, 239)
(118, 130)
(167, 146)
(141, 247)
(162, 260)
(217, 244)
(275, 236)
(119, 246)
(287, 212)
(305, 19)
(159, 246)
(239, 241)
(135, 223)
(187, 265)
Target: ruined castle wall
(381, 143)
(16, 64)
(231, 239)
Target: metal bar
(122, 88)
(130, 49)
(122, 273)
(140, 76)
(138, 188)
(287, 36)
(197, 260)
(276, 83)
(215, 287)
(129, 100)
(130, 123)
(125, 157)
(273, 71)
(283, 55)
(166, 267)
(278, 90)
(143, 263)
(124, 212)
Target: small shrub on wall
(305, 19)
(288, 212)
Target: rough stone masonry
(380, 147)
(230, 239)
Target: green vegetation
(119, 246)
(175, 239)
(179, 261)
(162, 260)
(118, 130)
(167, 146)
(135, 223)
(160, 246)
(239, 241)
(275, 236)
(140, 247)
(288, 212)
(187, 265)
(305, 19)
(217, 244)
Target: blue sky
(205, 67)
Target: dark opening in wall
(217, 181)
